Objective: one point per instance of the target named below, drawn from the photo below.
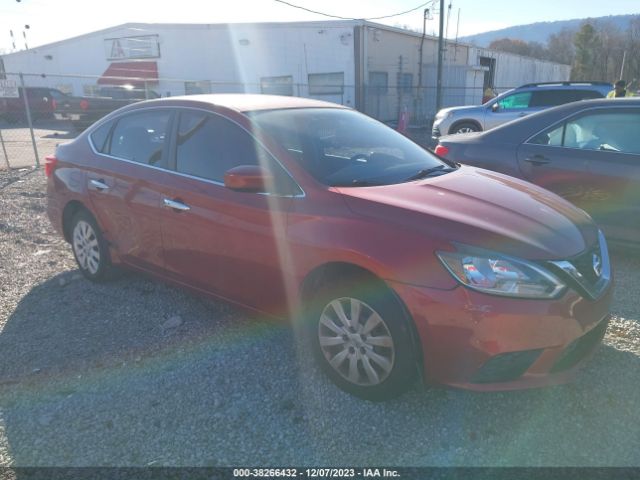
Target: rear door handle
(537, 160)
(99, 185)
(523, 114)
(176, 205)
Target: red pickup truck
(84, 111)
(42, 103)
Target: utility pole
(400, 85)
(418, 100)
(624, 58)
(440, 55)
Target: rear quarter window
(100, 136)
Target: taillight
(441, 151)
(84, 104)
(50, 163)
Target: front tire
(89, 247)
(362, 340)
(465, 127)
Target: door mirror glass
(248, 178)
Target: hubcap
(356, 341)
(85, 246)
(465, 130)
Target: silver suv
(513, 104)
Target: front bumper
(487, 343)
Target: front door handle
(537, 160)
(176, 205)
(99, 185)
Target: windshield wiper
(427, 172)
(357, 183)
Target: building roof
(245, 102)
(140, 29)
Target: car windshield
(341, 147)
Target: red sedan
(393, 261)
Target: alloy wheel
(356, 342)
(86, 247)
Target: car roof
(567, 85)
(568, 108)
(549, 116)
(519, 129)
(246, 102)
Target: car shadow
(43, 129)
(135, 372)
(62, 135)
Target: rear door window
(584, 95)
(550, 98)
(140, 137)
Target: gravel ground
(138, 373)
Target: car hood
(481, 208)
(454, 110)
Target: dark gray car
(587, 151)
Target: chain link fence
(39, 111)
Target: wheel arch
(323, 273)
(460, 122)
(70, 209)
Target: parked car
(587, 152)
(390, 260)
(83, 111)
(42, 102)
(513, 104)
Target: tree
(511, 45)
(585, 42)
(632, 47)
(560, 46)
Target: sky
(50, 21)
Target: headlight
(442, 115)
(497, 274)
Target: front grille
(589, 273)
(584, 264)
(506, 366)
(580, 348)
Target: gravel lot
(138, 373)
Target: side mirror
(248, 178)
(495, 107)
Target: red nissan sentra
(394, 261)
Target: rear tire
(89, 247)
(361, 338)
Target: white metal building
(372, 67)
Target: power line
(351, 18)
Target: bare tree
(560, 46)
